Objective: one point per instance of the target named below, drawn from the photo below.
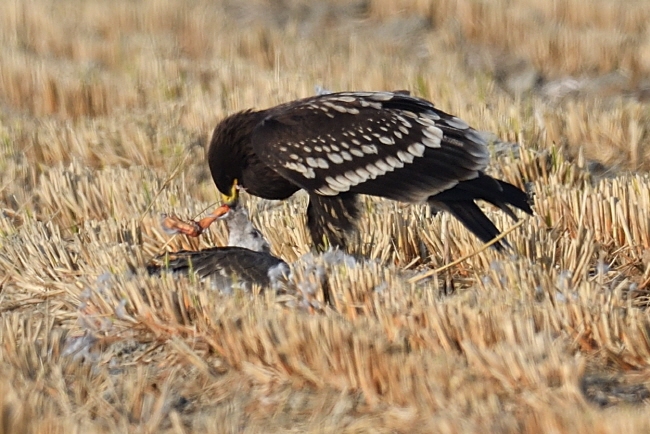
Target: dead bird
(245, 261)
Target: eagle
(245, 261)
(338, 146)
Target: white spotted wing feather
(377, 143)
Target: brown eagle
(337, 146)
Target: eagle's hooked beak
(233, 197)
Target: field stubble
(103, 131)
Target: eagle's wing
(379, 143)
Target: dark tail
(459, 201)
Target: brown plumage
(339, 145)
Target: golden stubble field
(105, 112)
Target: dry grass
(101, 101)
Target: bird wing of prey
(378, 143)
(230, 262)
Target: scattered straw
(485, 246)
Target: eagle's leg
(330, 218)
